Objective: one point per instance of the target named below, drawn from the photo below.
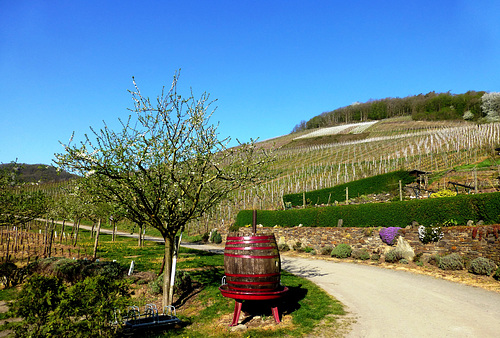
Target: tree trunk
(97, 238)
(169, 252)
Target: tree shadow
(301, 271)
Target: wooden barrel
(252, 263)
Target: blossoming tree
(166, 166)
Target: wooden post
(96, 242)
(400, 191)
(346, 195)
(304, 199)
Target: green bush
(404, 261)
(87, 308)
(182, 283)
(451, 262)
(375, 257)
(371, 185)
(482, 266)
(460, 208)
(497, 274)
(360, 254)
(216, 237)
(342, 251)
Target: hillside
(423, 107)
(33, 173)
(308, 160)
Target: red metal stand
(239, 297)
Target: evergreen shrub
(460, 208)
(342, 251)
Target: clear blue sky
(67, 65)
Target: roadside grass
(205, 312)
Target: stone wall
(469, 241)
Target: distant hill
(423, 107)
(32, 173)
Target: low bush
(342, 251)
(283, 247)
(182, 283)
(482, 266)
(326, 250)
(375, 257)
(497, 274)
(388, 235)
(451, 262)
(404, 261)
(428, 234)
(360, 254)
(216, 237)
(434, 260)
(393, 256)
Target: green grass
(306, 303)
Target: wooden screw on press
(254, 222)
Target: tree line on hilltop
(471, 106)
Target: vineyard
(392, 144)
(388, 145)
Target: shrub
(482, 266)
(451, 262)
(182, 283)
(375, 257)
(393, 256)
(327, 250)
(497, 274)
(87, 308)
(216, 237)
(404, 261)
(444, 193)
(297, 246)
(360, 254)
(342, 251)
(434, 260)
(428, 234)
(283, 247)
(388, 235)
(308, 249)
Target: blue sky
(67, 65)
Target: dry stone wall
(469, 241)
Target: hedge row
(371, 185)
(461, 208)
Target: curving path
(390, 303)
(393, 303)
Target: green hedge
(461, 208)
(371, 185)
